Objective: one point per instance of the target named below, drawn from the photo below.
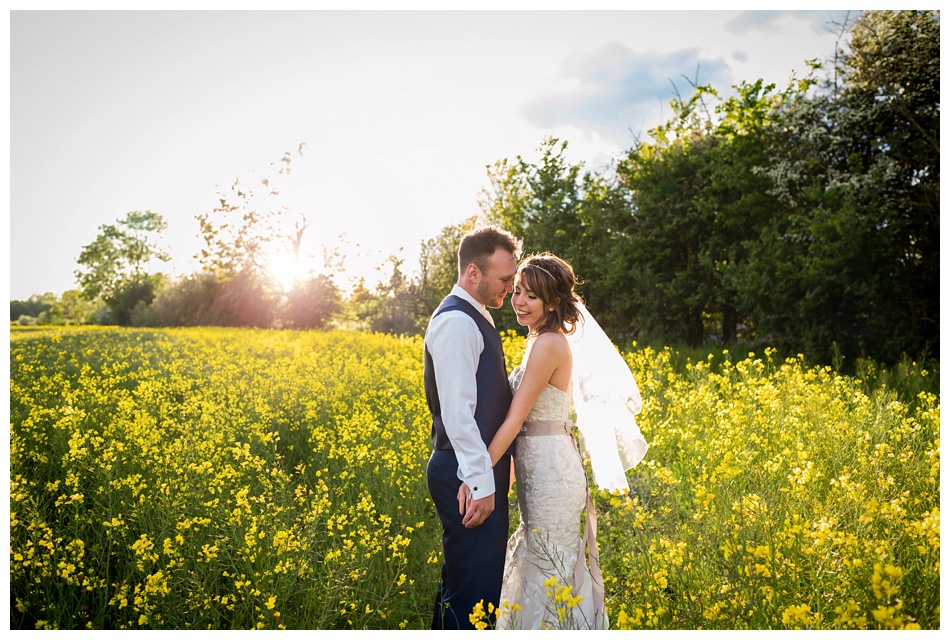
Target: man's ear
(472, 271)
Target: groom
(466, 385)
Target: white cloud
(768, 21)
(618, 92)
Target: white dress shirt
(455, 344)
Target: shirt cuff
(482, 485)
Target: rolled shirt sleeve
(455, 344)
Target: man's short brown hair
(479, 245)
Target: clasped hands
(474, 511)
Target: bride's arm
(546, 358)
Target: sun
(283, 270)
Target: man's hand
(474, 512)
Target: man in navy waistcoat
(466, 385)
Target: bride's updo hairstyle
(553, 281)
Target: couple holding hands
(487, 425)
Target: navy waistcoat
(491, 380)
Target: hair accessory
(537, 266)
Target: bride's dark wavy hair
(552, 280)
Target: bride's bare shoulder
(553, 342)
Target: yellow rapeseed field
(259, 479)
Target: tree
(360, 307)
(251, 226)
(73, 308)
(186, 302)
(312, 304)
(438, 263)
(892, 76)
(397, 308)
(853, 266)
(698, 200)
(557, 206)
(32, 307)
(115, 266)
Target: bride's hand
(465, 497)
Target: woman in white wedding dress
(547, 583)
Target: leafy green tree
(540, 201)
(671, 274)
(397, 303)
(853, 266)
(892, 75)
(73, 308)
(116, 266)
(359, 307)
(698, 199)
(558, 206)
(33, 306)
(438, 264)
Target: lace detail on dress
(552, 404)
(552, 494)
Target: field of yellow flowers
(238, 479)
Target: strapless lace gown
(552, 494)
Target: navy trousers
(474, 559)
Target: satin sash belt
(547, 428)
(565, 427)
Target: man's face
(498, 279)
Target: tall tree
(116, 266)
(558, 206)
(249, 239)
(855, 260)
(243, 231)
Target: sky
(400, 112)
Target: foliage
(805, 219)
(402, 303)
(698, 203)
(202, 299)
(73, 308)
(395, 308)
(114, 267)
(554, 205)
(238, 479)
(311, 304)
(438, 265)
(33, 306)
(249, 225)
(187, 302)
(856, 171)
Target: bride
(568, 364)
